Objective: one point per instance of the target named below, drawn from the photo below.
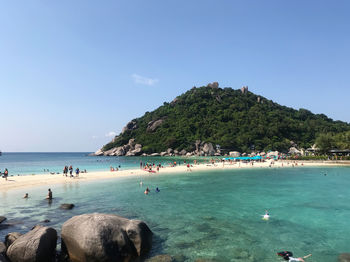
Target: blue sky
(74, 72)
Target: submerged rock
(161, 258)
(67, 206)
(38, 245)
(105, 237)
(344, 257)
(2, 219)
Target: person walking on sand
(6, 174)
(77, 171)
(49, 194)
(71, 171)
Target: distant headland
(213, 121)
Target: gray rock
(138, 146)
(208, 149)
(213, 85)
(109, 152)
(38, 245)
(344, 257)
(170, 151)
(189, 154)
(137, 151)
(155, 154)
(131, 143)
(129, 126)
(153, 125)
(130, 153)
(99, 152)
(104, 237)
(2, 248)
(163, 153)
(120, 151)
(67, 206)
(160, 258)
(2, 219)
(183, 152)
(11, 237)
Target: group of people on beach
(112, 169)
(70, 169)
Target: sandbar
(29, 181)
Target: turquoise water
(35, 163)
(212, 215)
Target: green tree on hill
(233, 119)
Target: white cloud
(94, 137)
(111, 134)
(144, 80)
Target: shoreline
(32, 181)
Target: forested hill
(234, 119)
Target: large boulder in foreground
(104, 237)
(38, 245)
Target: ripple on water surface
(211, 215)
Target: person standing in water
(49, 194)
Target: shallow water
(212, 215)
(35, 163)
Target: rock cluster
(88, 237)
(131, 149)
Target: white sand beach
(28, 181)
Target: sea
(211, 215)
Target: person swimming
(147, 191)
(266, 216)
(287, 255)
(157, 190)
(26, 195)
